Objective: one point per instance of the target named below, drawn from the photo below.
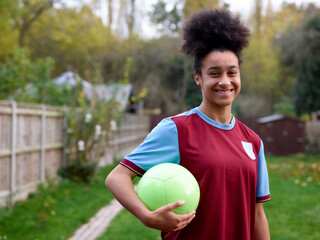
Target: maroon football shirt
(228, 162)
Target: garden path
(99, 223)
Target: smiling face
(220, 80)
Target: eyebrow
(218, 68)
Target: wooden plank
(4, 194)
(4, 173)
(13, 148)
(31, 112)
(53, 162)
(64, 141)
(37, 148)
(34, 173)
(43, 144)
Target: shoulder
(246, 129)
(185, 117)
(170, 125)
(250, 134)
(164, 128)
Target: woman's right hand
(119, 182)
(166, 220)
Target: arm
(119, 182)
(261, 224)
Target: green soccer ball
(167, 183)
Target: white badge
(249, 150)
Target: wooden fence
(313, 133)
(33, 145)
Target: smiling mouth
(224, 92)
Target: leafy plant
(285, 107)
(15, 73)
(89, 127)
(24, 80)
(91, 123)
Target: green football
(167, 183)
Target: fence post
(13, 150)
(43, 144)
(65, 140)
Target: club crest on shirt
(248, 149)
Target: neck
(220, 115)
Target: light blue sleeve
(263, 180)
(160, 146)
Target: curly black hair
(210, 30)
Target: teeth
(224, 92)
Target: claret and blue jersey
(226, 159)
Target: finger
(184, 223)
(174, 205)
(188, 216)
(184, 220)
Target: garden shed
(281, 135)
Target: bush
(81, 173)
(24, 80)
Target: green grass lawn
(56, 211)
(294, 209)
(293, 212)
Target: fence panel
(313, 136)
(33, 140)
(4, 173)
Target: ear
(197, 79)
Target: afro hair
(213, 29)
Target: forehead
(221, 59)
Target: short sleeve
(160, 146)
(262, 190)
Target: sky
(148, 30)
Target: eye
(214, 74)
(232, 73)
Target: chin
(224, 103)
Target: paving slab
(98, 224)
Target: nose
(224, 80)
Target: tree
(9, 37)
(18, 71)
(168, 20)
(307, 87)
(191, 6)
(262, 71)
(285, 107)
(130, 19)
(156, 65)
(169, 15)
(75, 39)
(29, 12)
(257, 17)
(15, 73)
(126, 18)
(300, 46)
(110, 13)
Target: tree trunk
(130, 18)
(110, 11)
(258, 16)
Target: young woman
(225, 156)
